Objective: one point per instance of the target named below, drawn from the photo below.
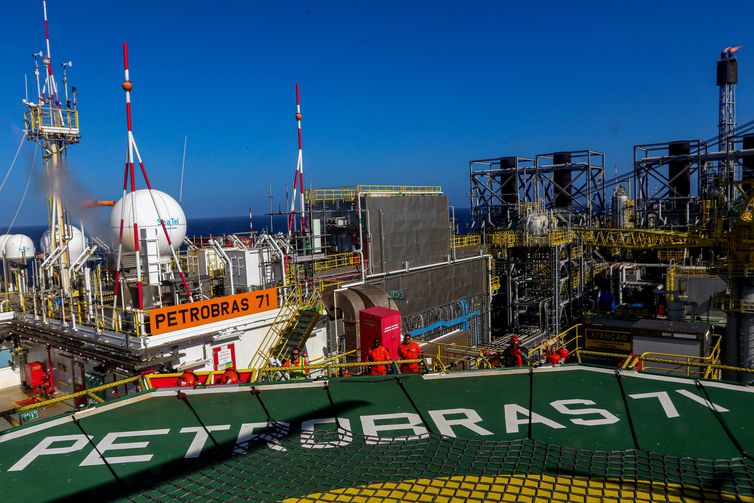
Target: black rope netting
(277, 465)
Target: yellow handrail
(573, 342)
(77, 394)
(686, 361)
(335, 261)
(350, 193)
(463, 241)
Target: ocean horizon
(216, 226)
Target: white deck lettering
(516, 415)
(469, 421)
(413, 422)
(43, 449)
(200, 438)
(108, 444)
(562, 407)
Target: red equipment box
(380, 322)
(34, 374)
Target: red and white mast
(50, 86)
(134, 149)
(298, 179)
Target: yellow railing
(332, 358)
(275, 332)
(514, 239)
(329, 367)
(724, 301)
(640, 238)
(288, 315)
(78, 311)
(335, 261)
(505, 239)
(77, 394)
(466, 240)
(553, 237)
(51, 119)
(350, 193)
(10, 301)
(683, 364)
(670, 254)
(714, 358)
(569, 338)
(440, 351)
(12, 415)
(495, 283)
(670, 281)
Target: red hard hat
(515, 339)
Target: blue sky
(393, 92)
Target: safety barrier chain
(339, 365)
(76, 394)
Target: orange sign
(169, 319)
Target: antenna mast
(298, 179)
(54, 126)
(129, 172)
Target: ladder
(292, 326)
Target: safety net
(442, 469)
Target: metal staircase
(294, 323)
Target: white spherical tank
(3, 239)
(76, 242)
(18, 248)
(147, 217)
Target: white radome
(3, 239)
(76, 242)
(18, 248)
(147, 217)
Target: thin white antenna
(26, 87)
(37, 55)
(183, 165)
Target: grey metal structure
(727, 78)
(542, 280)
(498, 187)
(573, 183)
(405, 232)
(404, 235)
(667, 183)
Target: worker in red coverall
(563, 352)
(409, 350)
(553, 357)
(514, 356)
(378, 353)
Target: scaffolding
(498, 187)
(574, 183)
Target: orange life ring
(231, 377)
(187, 379)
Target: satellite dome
(3, 239)
(147, 217)
(18, 248)
(76, 242)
